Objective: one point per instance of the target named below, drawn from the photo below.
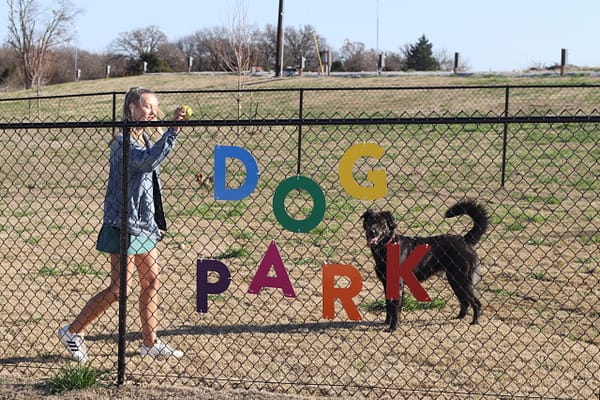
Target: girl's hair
(133, 96)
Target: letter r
(330, 292)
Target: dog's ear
(368, 213)
(390, 220)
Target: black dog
(455, 255)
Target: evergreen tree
(419, 56)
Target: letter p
(204, 287)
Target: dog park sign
(271, 271)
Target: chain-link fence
(528, 153)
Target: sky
(490, 35)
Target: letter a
(262, 278)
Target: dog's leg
(392, 312)
(458, 285)
(476, 304)
(388, 314)
(401, 296)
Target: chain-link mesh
(523, 152)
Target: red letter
(330, 292)
(395, 271)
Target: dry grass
(538, 336)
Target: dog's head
(379, 227)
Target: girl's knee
(149, 282)
(115, 292)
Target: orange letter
(330, 292)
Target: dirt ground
(538, 337)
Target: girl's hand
(178, 115)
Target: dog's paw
(390, 329)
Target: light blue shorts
(109, 241)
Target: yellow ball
(188, 112)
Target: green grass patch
(86, 269)
(233, 253)
(242, 234)
(75, 377)
(502, 292)
(538, 275)
(410, 304)
(49, 270)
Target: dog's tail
(479, 215)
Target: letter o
(318, 211)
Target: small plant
(233, 253)
(75, 377)
(410, 304)
(241, 234)
(538, 275)
(49, 270)
(87, 269)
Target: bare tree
(138, 42)
(355, 57)
(34, 34)
(236, 55)
(237, 48)
(301, 43)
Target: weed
(75, 377)
(502, 292)
(49, 270)
(242, 234)
(87, 269)
(410, 304)
(538, 275)
(233, 253)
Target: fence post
(124, 244)
(300, 118)
(505, 135)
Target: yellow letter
(377, 177)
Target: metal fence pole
(123, 256)
(505, 135)
(114, 112)
(300, 118)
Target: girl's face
(146, 110)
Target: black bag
(159, 212)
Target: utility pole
(279, 61)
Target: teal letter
(299, 182)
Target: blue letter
(221, 155)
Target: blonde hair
(134, 96)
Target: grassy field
(538, 336)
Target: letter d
(221, 155)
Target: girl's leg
(148, 269)
(102, 300)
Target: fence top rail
(500, 119)
(319, 89)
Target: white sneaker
(160, 349)
(74, 344)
